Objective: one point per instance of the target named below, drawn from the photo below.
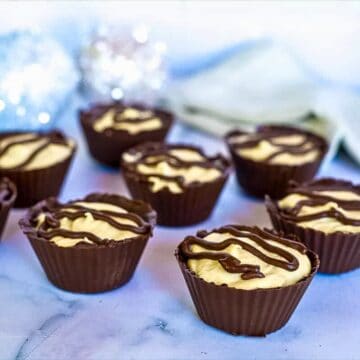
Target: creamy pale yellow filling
(17, 154)
(107, 121)
(187, 154)
(88, 223)
(264, 149)
(212, 270)
(191, 174)
(326, 224)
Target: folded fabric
(262, 83)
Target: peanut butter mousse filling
(129, 119)
(31, 151)
(275, 147)
(173, 168)
(245, 258)
(328, 207)
(86, 222)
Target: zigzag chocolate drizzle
(118, 117)
(234, 265)
(161, 153)
(270, 133)
(53, 137)
(316, 199)
(51, 225)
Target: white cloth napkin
(265, 83)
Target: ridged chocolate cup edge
(107, 147)
(89, 268)
(255, 312)
(192, 206)
(259, 179)
(339, 252)
(38, 184)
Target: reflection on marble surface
(153, 317)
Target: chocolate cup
(108, 146)
(245, 312)
(259, 178)
(193, 205)
(7, 204)
(90, 268)
(338, 252)
(190, 207)
(38, 184)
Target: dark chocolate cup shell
(245, 312)
(338, 252)
(259, 178)
(6, 205)
(189, 207)
(108, 146)
(38, 184)
(89, 269)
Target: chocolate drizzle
(119, 110)
(146, 153)
(234, 265)
(118, 118)
(53, 137)
(269, 133)
(54, 212)
(310, 190)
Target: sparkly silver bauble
(36, 78)
(123, 64)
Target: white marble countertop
(152, 317)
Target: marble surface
(152, 317)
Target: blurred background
(216, 64)
(322, 32)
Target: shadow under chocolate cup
(37, 184)
(255, 312)
(7, 202)
(259, 178)
(339, 252)
(86, 268)
(107, 146)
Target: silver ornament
(37, 77)
(123, 64)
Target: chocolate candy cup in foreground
(92, 244)
(239, 289)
